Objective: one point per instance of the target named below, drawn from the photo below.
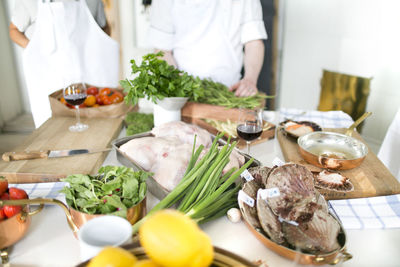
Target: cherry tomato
(92, 90)
(10, 211)
(98, 99)
(3, 185)
(5, 196)
(107, 99)
(16, 193)
(2, 214)
(116, 97)
(105, 91)
(90, 100)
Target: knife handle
(11, 156)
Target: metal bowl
(333, 151)
(153, 186)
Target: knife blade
(44, 154)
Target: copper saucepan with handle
(334, 151)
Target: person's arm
(18, 37)
(168, 57)
(107, 28)
(253, 61)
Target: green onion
(204, 193)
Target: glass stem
(248, 147)
(78, 117)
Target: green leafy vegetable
(112, 191)
(138, 123)
(157, 79)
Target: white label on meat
(246, 198)
(269, 192)
(277, 162)
(247, 175)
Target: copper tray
(222, 258)
(155, 188)
(300, 257)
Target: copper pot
(76, 218)
(14, 228)
(334, 151)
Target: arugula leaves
(112, 191)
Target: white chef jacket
(25, 13)
(206, 37)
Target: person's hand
(244, 87)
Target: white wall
(358, 37)
(134, 24)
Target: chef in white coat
(64, 45)
(206, 38)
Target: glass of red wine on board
(75, 94)
(250, 125)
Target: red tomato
(16, 193)
(5, 196)
(2, 215)
(92, 90)
(98, 99)
(116, 97)
(3, 185)
(106, 100)
(10, 211)
(105, 91)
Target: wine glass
(250, 125)
(75, 94)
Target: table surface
(50, 242)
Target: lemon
(113, 257)
(173, 240)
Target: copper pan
(334, 151)
(76, 218)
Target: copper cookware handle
(43, 201)
(349, 131)
(341, 257)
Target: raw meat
(184, 132)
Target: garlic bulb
(234, 215)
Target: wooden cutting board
(370, 179)
(54, 135)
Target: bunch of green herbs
(157, 79)
(216, 93)
(138, 123)
(112, 191)
(204, 193)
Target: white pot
(168, 109)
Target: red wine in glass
(75, 94)
(250, 125)
(249, 132)
(75, 100)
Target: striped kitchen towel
(43, 190)
(326, 119)
(369, 213)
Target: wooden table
(50, 242)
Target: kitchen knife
(44, 154)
